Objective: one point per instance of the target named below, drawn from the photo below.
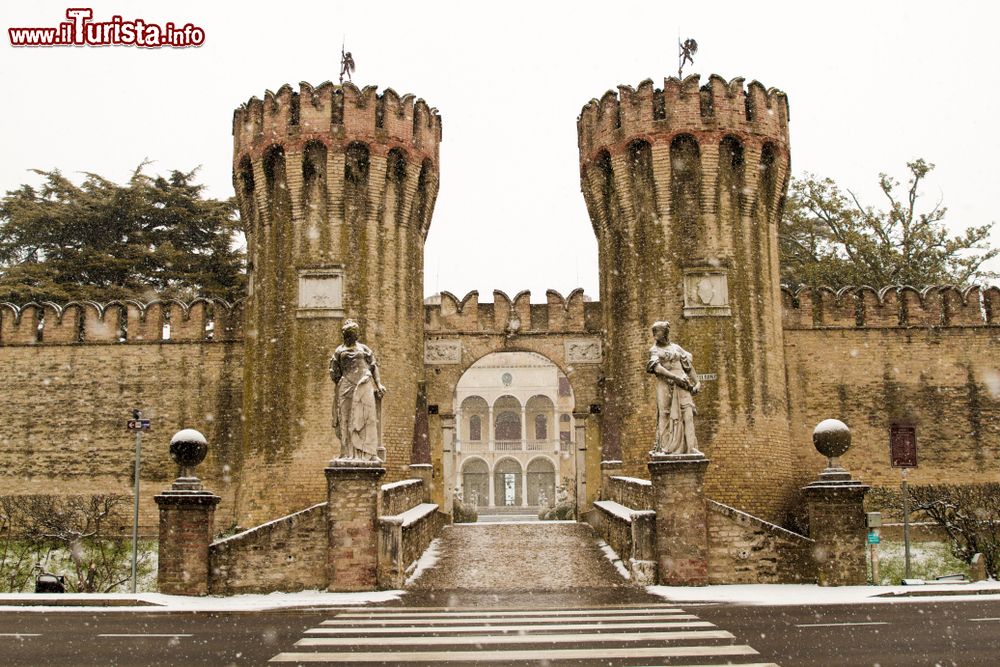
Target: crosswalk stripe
(502, 613)
(605, 637)
(593, 636)
(508, 628)
(392, 610)
(436, 622)
(514, 656)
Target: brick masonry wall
(287, 554)
(744, 549)
(945, 380)
(64, 407)
(397, 497)
(630, 492)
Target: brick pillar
(609, 469)
(352, 524)
(425, 473)
(187, 514)
(681, 518)
(837, 523)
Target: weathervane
(346, 63)
(685, 54)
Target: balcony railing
(480, 446)
(475, 446)
(507, 445)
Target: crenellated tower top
(682, 106)
(330, 112)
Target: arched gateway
(512, 447)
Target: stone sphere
(832, 438)
(188, 448)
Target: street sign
(903, 446)
(873, 538)
(138, 424)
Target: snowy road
(914, 632)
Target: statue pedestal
(187, 515)
(837, 523)
(352, 523)
(681, 518)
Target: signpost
(137, 424)
(903, 455)
(874, 521)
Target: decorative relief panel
(321, 292)
(706, 293)
(583, 351)
(442, 352)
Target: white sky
(871, 85)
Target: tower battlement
(331, 111)
(682, 106)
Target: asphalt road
(918, 632)
(912, 632)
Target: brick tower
(684, 187)
(336, 187)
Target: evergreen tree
(99, 240)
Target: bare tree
(88, 528)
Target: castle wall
(869, 358)
(64, 403)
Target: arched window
(508, 426)
(475, 428)
(541, 427)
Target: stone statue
(543, 500)
(357, 397)
(676, 383)
(562, 495)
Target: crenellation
(187, 322)
(90, 322)
(939, 306)
(835, 308)
(963, 307)
(683, 106)
(338, 114)
(558, 314)
(991, 305)
(61, 324)
(877, 308)
(101, 323)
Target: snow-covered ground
(811, 594)
(157, 602)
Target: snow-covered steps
(536, 556)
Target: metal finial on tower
(685, 54)
(346, 63)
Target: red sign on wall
(903, 446)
